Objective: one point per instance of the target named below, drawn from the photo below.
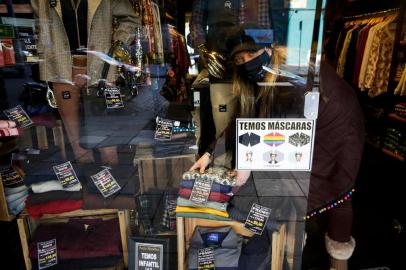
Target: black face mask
(252, 71)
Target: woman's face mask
(252, 70)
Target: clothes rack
(372, 14)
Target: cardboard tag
(10, 177)
(164, 129)
(66, 175)
(201, 191)
(19, 116)
(257, 218)
(105, 183)
(47, 254)
(205, 259)
(196, 99)
(223, 108)
(149, 256)
(113, 98)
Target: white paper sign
(282, 144)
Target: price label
(205, 259)
(105, 183)
(66, 175)
(164, 129)
(47, 254)
(201, 191)
(257, 218)
(10, 177)
(19, 116)
(113, 98)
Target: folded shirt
(214, 205)
(203, 216)
(96, 201)
(14, 190)
(17, 206)
(16, 196)
(185, 209)
(219, 175)
(52, 185)
(215, 187)
(54, 207)
(214, 196)
(41, 198)
(80, 238)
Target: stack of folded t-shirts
(81, 243)
(220, 194)
(127, 178)
(47, 196)
(15, 190)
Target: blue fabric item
(14, 197)
(10, 191)
(214, 188)
(15, 206)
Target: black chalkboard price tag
(149, 256)
(105, 183)
(47, 254)
(205, 259)
(19, 116)
(10, 177)
(113, 98)
(201, 191)
(66, 175)
(257, 218)
(164, 129)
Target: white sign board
(282, 144)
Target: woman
(338, 142)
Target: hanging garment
(226, 243)
(401, 88)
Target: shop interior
(158, 120)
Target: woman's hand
(241, 177)
(202, 163)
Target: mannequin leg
(68, 100)
(339, 243)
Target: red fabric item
(80, 238)
(8, 51)
(214, 196)
(55, 207)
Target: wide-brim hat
(239, 41)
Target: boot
(339, 252)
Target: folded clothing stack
(47, 196)
(220, 194)
(16, 192)
(81, 243)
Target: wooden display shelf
(4, 214)
(17, 8)
(27, 226)
(396, 118)
(393, 155)
(186, 226)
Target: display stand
(27, 226)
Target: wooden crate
(162, 173)
(28, 225)
(186, 226)
(4, 214)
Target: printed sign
(27, 35)
(10, 177)
(196, 99)
(47, 254)
(113, 98)
(275, 144)
(18, 115)
(105, 183)
(66, 175)
(201, 191)
(148, 256)
(205, 259)
(257, 218)
(164, 129)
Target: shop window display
(115, 128)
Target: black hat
(239, 41)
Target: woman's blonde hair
(248, 98)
